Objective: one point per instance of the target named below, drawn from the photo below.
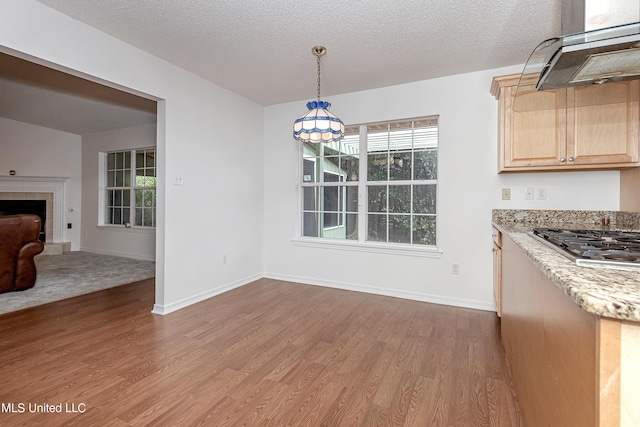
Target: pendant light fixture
(318, 124)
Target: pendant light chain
(318, 57)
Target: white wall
(219, 208)
(469, 188)
(132, 243)
(38, 151)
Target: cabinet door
(607, 132)
(536, 135)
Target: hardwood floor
(270, 353)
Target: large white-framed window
(129, 187)
(378, 185)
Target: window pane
(150, 159)
(127, 159)
(330, 220)
(400, 198)
(126, 197)
(119, 160)
(377, 227)
(330, 149)
(117, 216)
(330, 199)
(425, 135)
(147, 217)
(426, 165)
(331, 164)
(311, 150)
(118, 198)
(111, 179)
(139, 196)
(350, 166)
(149, 198)
(309, 198)
(308, 171)
(111, 161)
(331, 177)
(119, 178)
(400, 228)
(125, 215)
(377, 140)
(350, 144)
(424, 230)
(351, 226)
(377, 167)
(139, 159)
(310, 224)
(351, 199)
(424, 199)
(377, 198)
(137, 220)
(127, 178)
(400, 166)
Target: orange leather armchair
(18, 245)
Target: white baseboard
(121, 254)
(169, 308)
(436, 299)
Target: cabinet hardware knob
(571, 159)
(562, 160)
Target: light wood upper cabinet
(587, 127)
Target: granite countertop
(602, 291)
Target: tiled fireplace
(49, 189)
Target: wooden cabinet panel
(605, 133)
(536, 137)
(550, 345)
(588, 127)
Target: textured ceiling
(262, 49)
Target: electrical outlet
(224, 259)
(529, 194)
(179, 180)
(541, 193)
(506, 194)
(455, 268)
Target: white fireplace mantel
(40, 184)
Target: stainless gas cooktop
(594, 248)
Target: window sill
(122, 228)
(370, 247)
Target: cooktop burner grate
(599, 246)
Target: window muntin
(400, 185)
(130, 190)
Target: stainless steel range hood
(601, 45)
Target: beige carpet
(75, 273)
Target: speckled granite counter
(602, 291)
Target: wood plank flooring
(270, 353)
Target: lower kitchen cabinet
(566, 363)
